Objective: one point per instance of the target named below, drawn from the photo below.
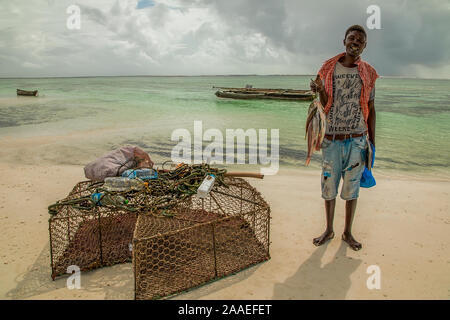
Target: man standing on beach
(346, 85)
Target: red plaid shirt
(366, 72)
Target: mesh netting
(205, 238)
(89, 239)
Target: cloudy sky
(206, 37)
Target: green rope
(158, 197)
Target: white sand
(403, 224)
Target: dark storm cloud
(413, 32)
(416, 33)
(95, 14)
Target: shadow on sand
(110, 283)
(314, 281)
(116, 282)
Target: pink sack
(116, 162)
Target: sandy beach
(403, 224)
(229, 83)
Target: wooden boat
(262, 93)
(27, 93)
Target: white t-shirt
(345, 116)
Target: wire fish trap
(205, 240)
(89, 237)
(202, 240)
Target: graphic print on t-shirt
(345, 115)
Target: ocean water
(74, 120)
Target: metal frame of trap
(207, 239)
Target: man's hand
(316, 85)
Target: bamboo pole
(244, 175)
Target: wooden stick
(244, 175)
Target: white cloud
(216, 37)
(27, 64)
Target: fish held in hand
(315, 128)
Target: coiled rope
(158, 196)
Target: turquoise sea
(76, 119)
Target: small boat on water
(27, 93)
(261, 93)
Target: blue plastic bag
(367, 179)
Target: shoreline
(403, 227)
(29, 149)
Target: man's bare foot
(326, 236)
(355, 245)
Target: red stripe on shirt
(368, 76)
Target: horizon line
(214, 75)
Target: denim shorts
(346, 159)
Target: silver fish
(315, 128)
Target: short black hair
(356, 27)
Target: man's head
(355, 40)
